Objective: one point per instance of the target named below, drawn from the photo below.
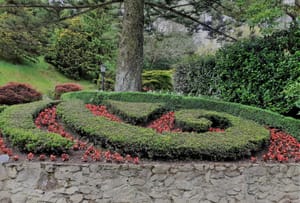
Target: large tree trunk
(130, 59)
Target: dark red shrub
(66, 87)
(18, 93)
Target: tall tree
(130, 58)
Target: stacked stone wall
(160, 182)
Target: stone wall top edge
(146, 165)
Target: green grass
(41, 75)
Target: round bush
(66, 87)
(18, 93)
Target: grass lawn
(40, 75)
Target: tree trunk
(130, 59)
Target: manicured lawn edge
(17, 123)
(233, 144)
(261, 116)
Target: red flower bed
(102, 111)
(283, 147)
(47, 120)
(166, 123)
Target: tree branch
(95, 6)
(161, 6)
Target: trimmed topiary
(239, 140)
(135, 112)
(261, 116)
(200, 120)
(18, 93)
(66, 87)
(16, 122)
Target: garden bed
(169, 133)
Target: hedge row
(135, 113)
(263, 117)
(240, 140)
(200, 120)
(17, 123)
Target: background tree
(83, 44)
(130, 59)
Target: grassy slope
(41, 76)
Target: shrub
(256, 71)
(200, 120)
(16, 122)
(157, 80)
(196, 75)
(136, 112)
(236, 142)
(66, 87)
(85, 43)
(263, 117)
(18, 93)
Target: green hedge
(263, 117)
(135, 112)
(17, 123)
(240, 140)
(200, 120)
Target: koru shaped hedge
(135, 113)
(241, 138)
(17, 123)
(263, 117)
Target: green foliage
(16, 122)
(267, 15)
(238, 141)
(86, 42)
(196, 75)
(256, 71)
(200, 120)
(163, 51)
(136, 112)
(157, 80)
(261, 116)
(21, 36)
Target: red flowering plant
(47, 119)
(283, 147)
(4, 149)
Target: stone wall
(160, 182)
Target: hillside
(41, 76)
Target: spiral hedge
(239, 140)
(261, 116)
(17, 123)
